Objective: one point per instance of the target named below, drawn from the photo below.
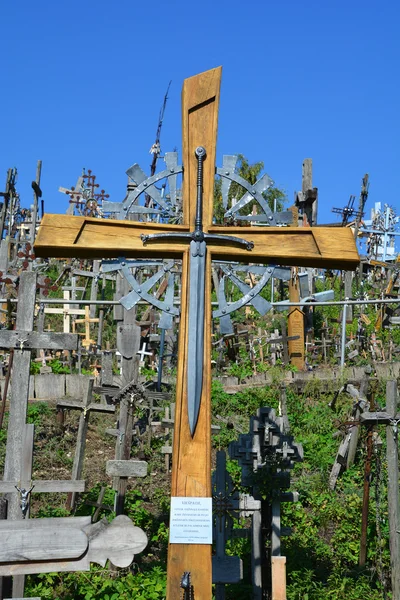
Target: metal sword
(197, 274)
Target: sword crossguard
(196, 236)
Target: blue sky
(83, 82)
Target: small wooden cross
(87, 406)
(62, 236)
(120, 470)
(25, 486)
(87, 321)
(67, 311)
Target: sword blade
(197, 274)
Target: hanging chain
(187, 587)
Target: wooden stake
(393, 487)
(296, 324)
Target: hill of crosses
(198, 384)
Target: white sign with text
(190, 521)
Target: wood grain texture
(278, 577)
(295, 325)
(95, 406)
(19, 392)
(392, 457)
(200, 103)
(44, 485)
(38, 339)
(64, 236)
(117, 541)
(79, 457)
(377, 418)
(191, 466)
(44, 544)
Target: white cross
(67, 311)
(142, 353)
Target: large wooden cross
(67, 236)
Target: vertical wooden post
(191, 467)
(14, 461)
(18, 586)
(306, 184)
(79, 457)
(355, 429)
(35, 202)
(128, 342)
(101, 316)
(367, 483)
(94, 288)
(4, 208)
(106, 368)
(19, 390)
(348, 282)
(256, 554)
(278, 567)
(276, 529)
(295, 324)
(393, 488)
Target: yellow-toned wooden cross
(86, 321)
(67, 236)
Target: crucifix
(196, 242)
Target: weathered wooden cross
(87, 320)
(196, 241)
(86, 407)
(67, 311)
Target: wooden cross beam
(67, 544)
(87, 321)
(98, 505)
(67, 311)
(63, 236)
(86, 406)
(121, 470)
(73, 288)
(391, 418)
(24, 340)
(20, 491)
(25, 486)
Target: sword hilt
(197, 236)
